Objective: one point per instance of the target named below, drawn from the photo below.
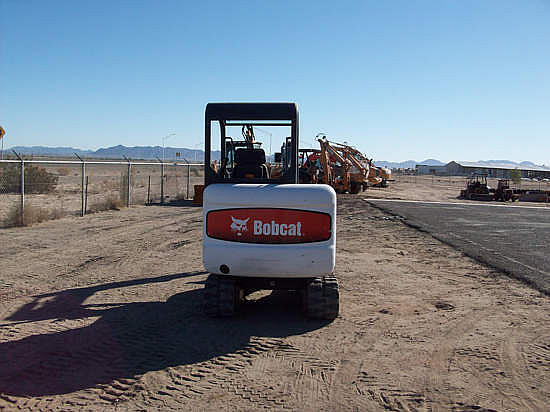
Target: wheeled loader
(264, 232)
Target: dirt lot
(515, 240)
(443, 189)
(104, 313)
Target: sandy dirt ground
(104, 313)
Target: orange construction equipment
(309, 165)
(360, 172)
(377, 176)
(335, 169)
(342, 168)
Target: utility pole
(195, 150)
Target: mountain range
(156, 152)
(118, 152)
(407, 164)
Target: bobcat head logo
(239, 226)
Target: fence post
(149, 191)
(82, 186)
(188, 178)
(162, 182)
(22, 187)
(128, 181)
(86, 197)
(22, 192)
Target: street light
(270, 137)
(195, 151)
(164, 140)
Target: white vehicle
(262, 232)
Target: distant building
(496, 170)
(431, 170)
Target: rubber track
(219, 296)
(322, 298)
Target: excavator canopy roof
(252, 111)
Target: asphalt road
(513, 239)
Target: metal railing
(81, 186)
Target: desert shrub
(109, 203)
(37, 179)
(63, 171)
(32, 215)
(9, 178)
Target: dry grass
(58, 213)
(34, 214)
(63, 171)
(109, 203)
(31, 216)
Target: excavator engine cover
(269, 230)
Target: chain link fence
(36, 190)
(528, 189)
(460, 181)
(413, 179)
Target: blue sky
(400, 80)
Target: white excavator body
(269, 230)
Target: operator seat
(250, 163)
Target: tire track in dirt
(388, 396)
(34, 363)
(160, 353)
(222, 373)
(245, 373)
(521, 360)
(102, 253)
(232, 373)
(90, 235)
(373, 389)
(150, 342)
